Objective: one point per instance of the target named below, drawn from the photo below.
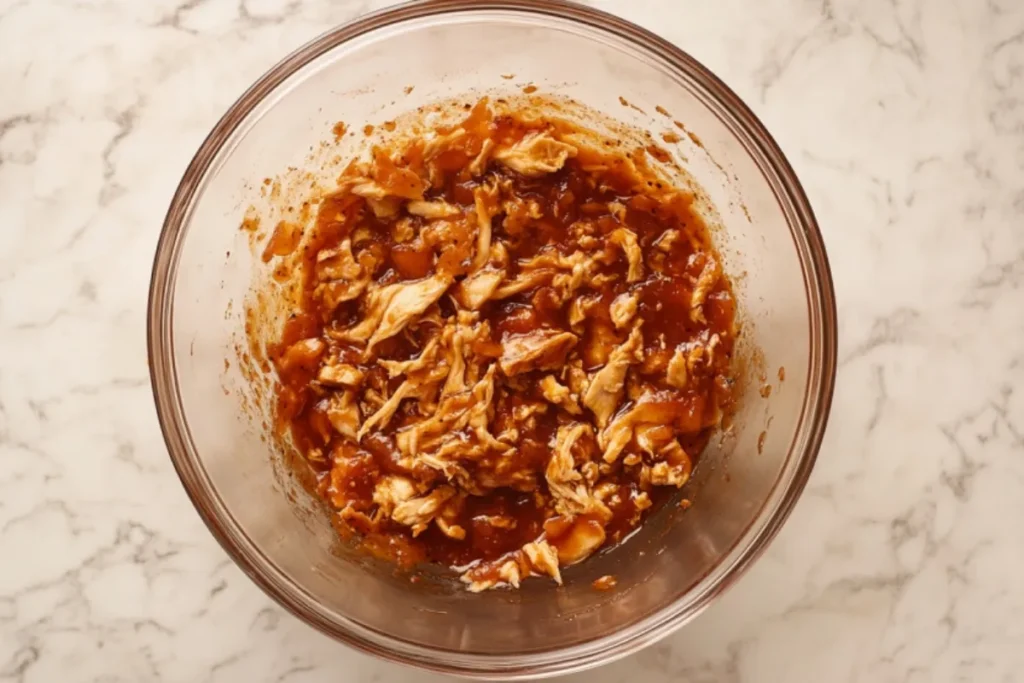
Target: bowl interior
(680, 559)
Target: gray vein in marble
(174, 19)
(886, 330)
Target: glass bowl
(680, 560)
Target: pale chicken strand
(475, 290)
(391, 308)
(538, 350)
(706, 281)
(605, 391)
(626, 238)
(535, 155)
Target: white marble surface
(902, 562)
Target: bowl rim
(822, 361)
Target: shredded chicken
(387, 411)
(706, 281)
(470, 361)
(438, 144)
(418, 512)
(453, 414)
(403, 230)
(626, 238)
(617, 435)
(434, 209)
(578, 310)
(340, 277)
(391, 491)
(474, 291)
(544, 559)
(652, 438)
(605, 390)
(538, 350)
(302, 354)
(333, 294)
(571, 493)
(560, 395)
(337, 264)
(393, 307)
(495, 574)
(519, 214)
(584, 538)
(618, 210)
(485, 206)
(496, 521)
(687, 358)
(340, 375)
(583, 269)
(678, 373)
(537, 558)
(343, 414)
(479, 164)
(368, 189)
(667, 240)
(410, 301)
(535, 155)
(666, 473)
(387, 207)
(453, 531)
(623, 309)
(523, 282)
(426, 358)
(509, 573)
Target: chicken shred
(623, 309)
(427, 357)
(544, 559)
(674, 469)
(706, 281)
(434, 209)
(386, 207)
(340, 277)
(418, 512)
(559, 395)
(337, 264)
(475, 290)
(578, 310)
(393, 307)
(387, 411)
(523, 282)
(538, 350)
(438, 144)
(678, 367)
(479, 164)
(535, 155)
(302, 353)
(583, 539)
(484, 200)
(620, 431)
(652, 438)
(391, 491)
(667, 240)
(343, 414)
(570, 491)
(626, 238)
(340, 375)
(605, 390)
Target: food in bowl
(512, 340)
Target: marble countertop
(902, 561)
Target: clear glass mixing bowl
(681, 560)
